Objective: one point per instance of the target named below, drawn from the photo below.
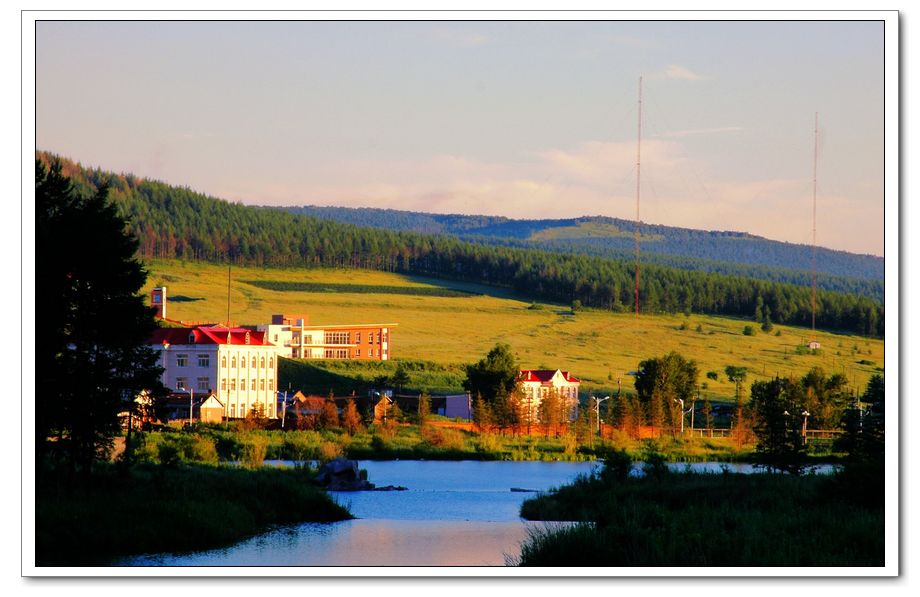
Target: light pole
(805, 427)
(191, 399)
(597, 410)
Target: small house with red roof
(237, 365)
(537, 384)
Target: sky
(519, 119)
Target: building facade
(537, 384)
(294, 338)
(237, 365)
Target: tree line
(172, 222)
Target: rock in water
(342, 474)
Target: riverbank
(690, 519)
(439, 440)
(153, 508)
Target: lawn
(597, 346)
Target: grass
(597, 346)
(689, 519)
(152, 508)
(342, 376)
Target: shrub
(254, 449)
(445, 439)
(749, 330)
(329, 451)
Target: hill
(174, 222)
(452, 323)
(727, 252)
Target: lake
(452, 514)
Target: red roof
(215, 334)
(545, 375)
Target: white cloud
(676, 71)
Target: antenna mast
(638, 178)
(814, 236)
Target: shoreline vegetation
(716, 519)
(119, 511)
(438, 439)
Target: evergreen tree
(778, 408)
(351, 420)
(92, 325)
(424, 408)
(400, 377)
(482, 414)
(329, 417)
(550, 413)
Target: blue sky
(518, 119)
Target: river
(452, 514)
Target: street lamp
(682, 413)
(597, 410)
(805, 426)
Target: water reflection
(453, 514)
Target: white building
(237, 365)
(536, 384)
(293, 337)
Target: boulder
(342, 474)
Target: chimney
(158, 300)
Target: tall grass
(149, 508)
(687, 519)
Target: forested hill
(612, 237)
(174, 222)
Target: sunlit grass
(597, 346)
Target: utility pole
(597, 410)
(191, 399)
(284, 409)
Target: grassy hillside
(597, 346)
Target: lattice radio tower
(638, 181)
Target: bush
(255, 448)
(444, 439)
(749, 330)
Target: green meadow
(452, 323)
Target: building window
(253, 388)
(253, 362)
(357, 337)
(336, 353)
(378, 337)
(223, 362)
(181, 383)
(204, 384)
(271, 362)
(271, 384)
(358, 352)
(182, 360)
(262, 363)
(191, 338)
(204, 360)
(262, 384)
(232, 410)
(338, 338)
(233, 362)
(233, 385)
(223, 385)
(370, 337)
